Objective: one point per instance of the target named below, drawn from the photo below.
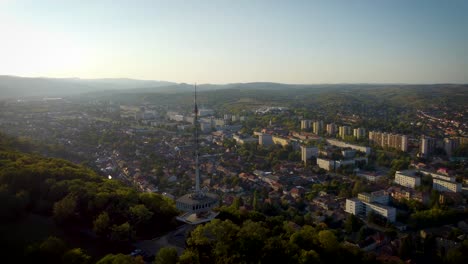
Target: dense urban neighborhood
(398, 195)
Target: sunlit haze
(238, 41)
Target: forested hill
(54, 211)
(240, 96)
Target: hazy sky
(237, 41)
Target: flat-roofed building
(364, 206)
(435, 175)
(407, 178)
(446, 186)
(396, 141)
(308, 152)
(354, 206)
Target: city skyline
(244, 41)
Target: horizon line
(228, 83)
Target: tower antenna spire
(197, 206)
(197, 165)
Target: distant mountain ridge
(21, 87)
(14, 87)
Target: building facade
(407, 178)
(396, 141)
(446, 186)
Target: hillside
(42, 198)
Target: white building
(354, 206)
(407, 178)
(357, 207)
(446, 186)
(438, 176)
(386, 211)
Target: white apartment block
(382, 210)
(357, 207)
(407, 179)
(446, 186)
(381, 197)
(438, 176)
(354, 206)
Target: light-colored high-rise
(305, 124)
(359, 133)
(317, 127)
(331, 129)
(396, 141)
(344, 131)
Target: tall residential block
(427, 146)
(317, 127)
(331, 129)
(344, 131)
(305, 124)
(383, 139)
(359, 133)
(307, 153)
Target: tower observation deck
(197, 206)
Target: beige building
(317, 127)
(344, 131)
(305, 124)
(359, 133)
(396, 141)
(331, 129)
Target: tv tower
(197, 206)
